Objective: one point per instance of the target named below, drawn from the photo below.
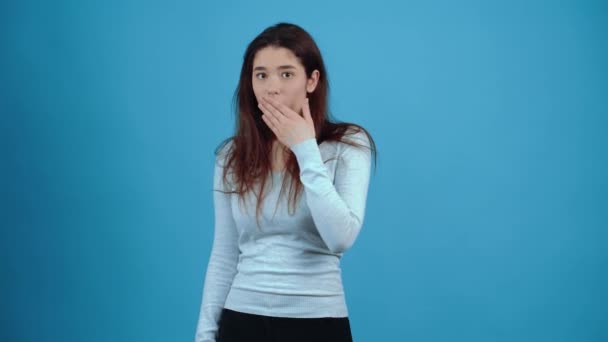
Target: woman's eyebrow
(280, 67)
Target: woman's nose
(273, 86)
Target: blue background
(486, 216)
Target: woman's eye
(261, 75)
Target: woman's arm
(222, 262)
(337, 211)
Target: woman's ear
(311, 83)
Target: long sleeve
(222, 262)
(337, 210)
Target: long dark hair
(248, 157)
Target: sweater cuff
(307, 152)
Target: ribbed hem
(296, 306)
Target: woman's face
(278, 73)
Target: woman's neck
(278, 158)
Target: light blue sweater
(291, 267)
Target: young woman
(274, 270)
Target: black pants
(237, 326)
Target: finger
(272, 114)
(270, 124)
(274, 122)
(283, 109)
(272, 110)
(262, 108)
(266, 114)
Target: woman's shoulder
(354, 137)
(223, 149)
(358, 135)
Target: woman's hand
(289, 127)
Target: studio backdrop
(487, 211)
